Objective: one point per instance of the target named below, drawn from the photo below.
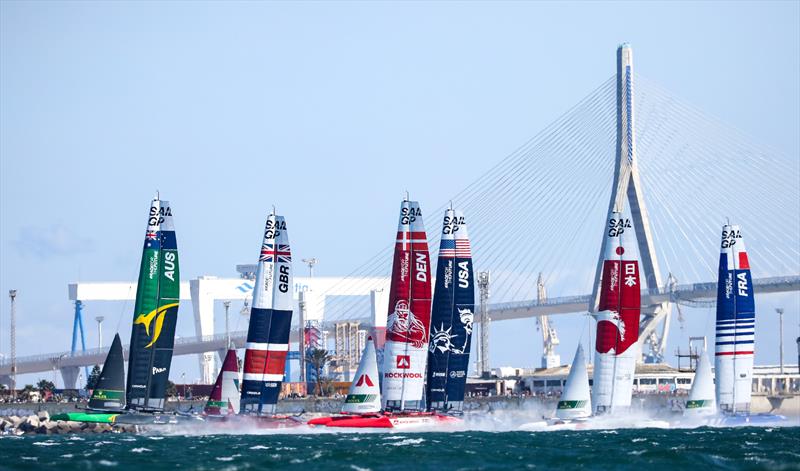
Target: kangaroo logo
(147, 319)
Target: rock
(49, 427)
(43, 416)
(16, 421)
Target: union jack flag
(151, 235)
(451, 248)
(269, 252)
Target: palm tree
(318, 358)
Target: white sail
(364, 395)
(701, 397)
(575, 401)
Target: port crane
(550, 359)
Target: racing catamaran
(407, 327)
(451, 318)
(268, 332)
(735, 339)
(152, 334)
(616, 347)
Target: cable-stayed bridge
(679, 172)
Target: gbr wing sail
(270, 321)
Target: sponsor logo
(452, 225)
(617, 226)
(403, 362)
(729, 238)
(138, 386)
(409, 215)
(147, 319)
(157, 215)
(403, 326)
(157, 370)
(439, 374)
(274, 228)
(457, 374)
(403, 375)
(364, 379)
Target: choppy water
(740, 448)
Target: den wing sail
(575, 401)
(736, 319)
(407, 324)
(270, 320)
(109, 392)
(451, 317)
(224, 398)
(364, 395)
(155, 312)
(701, 396)
(617, 320)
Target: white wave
(140, 450)
(409, 441)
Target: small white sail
(701, 397)
(576, 402)
(364, 395)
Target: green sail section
(155, 312)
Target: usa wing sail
(364, 395)
(451, 317)
(736, 319)
(407, 326)
(155, 312)
(109, 392)
(270, 320)
(224, 398)
(617, 320)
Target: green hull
(98, 418)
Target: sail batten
(408, 321)
(451, 317)
(270, 321)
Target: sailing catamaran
(152, 334)
(224, 398)
(451, 318)
(407, 327)
(616, 347)
(735, 339)
(268, 332)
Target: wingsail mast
(451, 317)
(407, 326)
(270, 320)
(155, 312)
(616, 347)
(736, 319)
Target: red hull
(409, 419)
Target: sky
(330, 111)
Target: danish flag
(364, 379)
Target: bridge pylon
(628, 185)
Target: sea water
(650, 449)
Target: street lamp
(310, 262)
(99, 320)
(227, 305)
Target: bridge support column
(69, 374)
(203, 307)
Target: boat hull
(398, 421)
(238, 422)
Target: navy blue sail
(451, 318)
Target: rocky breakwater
(40, 423)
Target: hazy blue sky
(328, 110)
